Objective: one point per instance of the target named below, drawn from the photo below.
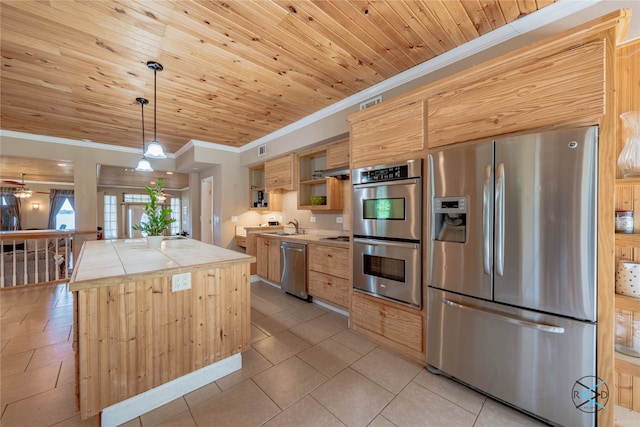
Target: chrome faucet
(295, 224)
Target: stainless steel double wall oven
(387, 231)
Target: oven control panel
(390, 172)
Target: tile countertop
(242, 230)
(107, 259)
(310, 238)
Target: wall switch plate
(339, 220)
(312, 219)
(180, 282)
(234, 218)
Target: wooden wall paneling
(522, 98)
(141, 334)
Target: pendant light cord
(155, 105)
(142, 105)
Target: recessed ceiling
(234, 71)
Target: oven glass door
(391, 209)
(388, 269)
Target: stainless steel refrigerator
(512, 276)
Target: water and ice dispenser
(450, 219)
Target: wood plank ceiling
(234, 71)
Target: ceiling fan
(22, 192)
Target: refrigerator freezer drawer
(527, 359)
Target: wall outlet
(234, 218)
(312, 219)
(339, 220)
(180, 282)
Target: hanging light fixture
(23, 192)
(154, 150)
(143, 163)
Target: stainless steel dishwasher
(293, 263)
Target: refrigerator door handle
(500, 219)
(502, 317)
(486, 221)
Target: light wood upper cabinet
(259, 198)
(394, 131)
(310, 185)
(280, 174)
(338, 154)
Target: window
(136, 198)
(176, 214)
(110, 217)
(66, 217)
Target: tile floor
(305, 368)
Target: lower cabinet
(329, 274)
(393, 325)
(268, 258)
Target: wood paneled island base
(133, 333)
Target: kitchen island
(161, 322)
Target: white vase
(629, 159)
(154, 242)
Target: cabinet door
(338, 154)
(394, 132)
(280, 173)
(274, 260)
(262, 257)
(329, 259)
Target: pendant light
(154, 150)
(143, 163)
(23, 192)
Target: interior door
(206, 215)
(464, 265)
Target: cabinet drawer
(241, 241)
(330, 258)
(375, 315)
(329, 288)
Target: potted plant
(158, 217)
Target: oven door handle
(386, 183)
(386, 243)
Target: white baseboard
(142, 403)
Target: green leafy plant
(159, 218)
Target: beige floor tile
(75, 421)
(33, 341)
(265, 307)
(381, 421)
(12, 364)
(252, 364)
(132, 423)
(306, 412)
(454, 392)
(354, 341)
(306, 312)
(417, 406)
(315, 330)
(54, 405)
(276, 323)
(29, 383)
(67, 372)
(45, 355)
(244, 405)
(387, 369)
(59, 321)
(164, 412)
(289, 381)
(338, 320)
(257, 334)
(206, 392)
(495, 414)
(25, 327)
(353, 398)
(329, 357)
(280, 347)
(183, 419)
